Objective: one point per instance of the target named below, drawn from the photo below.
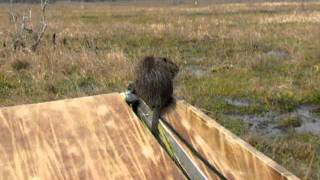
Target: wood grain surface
(231, 156)
(96, 137)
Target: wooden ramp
(100, 137)
(95, 137)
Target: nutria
(154, 84)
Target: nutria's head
(163, 63)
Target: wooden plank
(233, 157)
(193, 167)
(96, 137)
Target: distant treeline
(181, 1)
(52, 1)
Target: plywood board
(231, 156)
(96, 137)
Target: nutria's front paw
(131, 98)
(131, 87)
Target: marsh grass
(98, 44)
(289, 122)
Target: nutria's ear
(148, 62)
(165, 59)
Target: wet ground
(277, 54)
(194, 71)
(304, 119)
(238, 102)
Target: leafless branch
(13, 16)
(44, 24)
(26, 36)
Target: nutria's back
(153, 81)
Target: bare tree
(44, 25)
(25, 36)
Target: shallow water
(310, 120)
(198, 59)
(278, 54)
(262, 124)
(194, 71)
(267, 124)
(238, 102)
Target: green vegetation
(296, 152)
(234, 125)
(289, 122)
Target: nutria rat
(154, 84)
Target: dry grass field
(240, 63)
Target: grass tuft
(20, 65)
(289, 122)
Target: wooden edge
(229, 138)
(62, 100)
(280, 169)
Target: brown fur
(153, 83)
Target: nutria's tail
(155, 120)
